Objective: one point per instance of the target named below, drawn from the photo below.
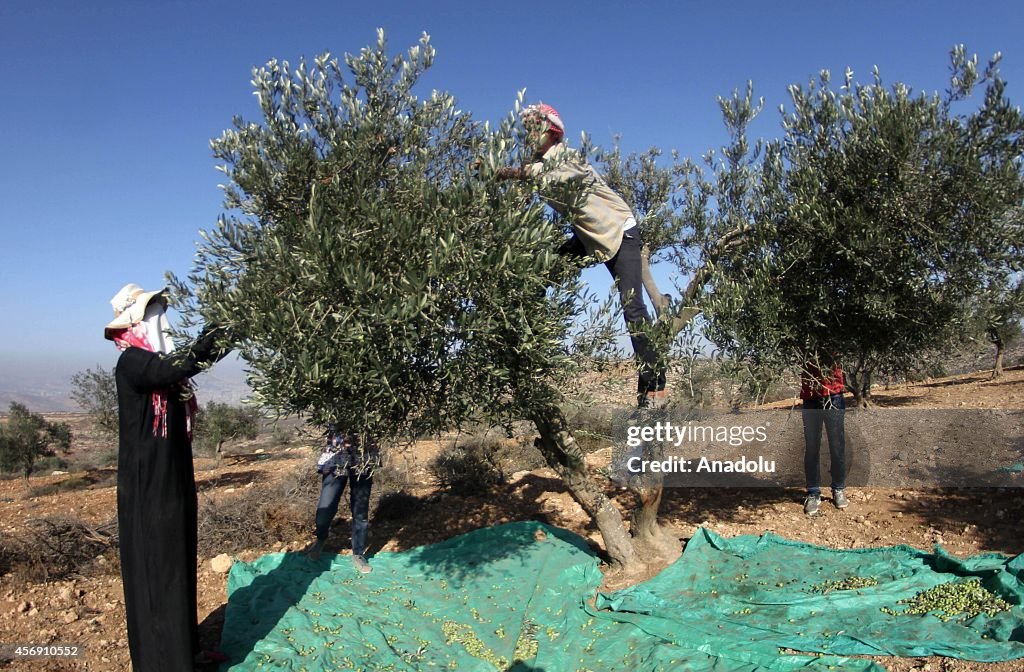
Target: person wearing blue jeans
(345, 460)
(822, 393)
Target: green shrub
(468, 469)
(95, 392)
(27, 439)
(218, 423)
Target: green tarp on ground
(773, 591)
(519, 597)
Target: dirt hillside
(83, 604)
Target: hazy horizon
(43, 382)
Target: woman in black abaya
(156, 490)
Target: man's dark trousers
(626, 270)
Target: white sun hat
(130, 307)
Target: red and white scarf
(142, 335)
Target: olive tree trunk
(660, 301)
(563, 454)
(559, 448)
(858, 381)
(997, 370)
(644, 526)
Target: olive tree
(675, 231)
(218, 423)
(95, 392)
(26, 437)
(999, 310)
(374, 276)
(872, 222)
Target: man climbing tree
(371, 277)
(603, 228)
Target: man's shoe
(314, 550)
(652, 399)
(840, 499)
(361, 565)
(811, 504)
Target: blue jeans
(331, 489)
(828, 411)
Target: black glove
(213, 343)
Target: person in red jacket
(821, 389)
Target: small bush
(50, 463)
(387, 478)
(700, 383)
(71, 484)
(260, 516)
(95, 392)
(55, 548)
(468, 469)
(519, 455)
(94, 460)
(593, 427)
(218, 423)
(282, 436)
(27, 438)
(916, 375)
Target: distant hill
(44, 386)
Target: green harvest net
(519, 597)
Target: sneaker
(314, 550)
(653, 399)
(361, 565)
(811, 504)
(840, 499)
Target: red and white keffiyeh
(546, 113)
(151, 334)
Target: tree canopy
(872, 222)
(370, 276)
(373, 276)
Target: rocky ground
(85, 607)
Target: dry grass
(58, 547)
(258, 517)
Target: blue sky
(106, 174)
